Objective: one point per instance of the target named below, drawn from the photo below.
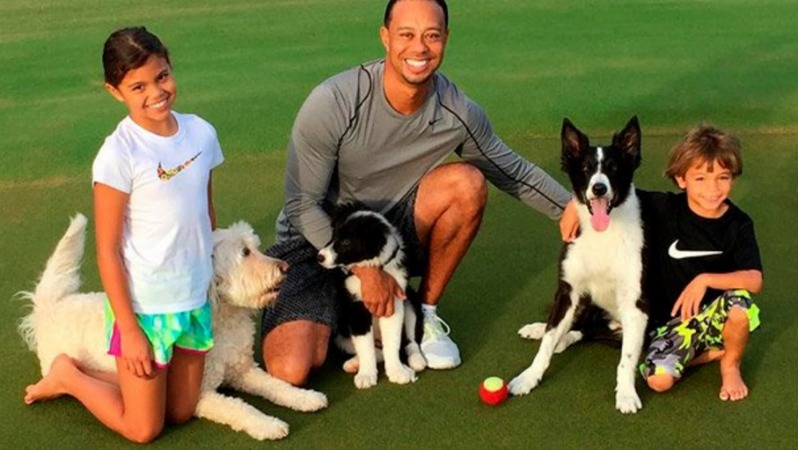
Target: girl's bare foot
(732, 385)
(52, 385)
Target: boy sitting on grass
(704, 264)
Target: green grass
(247, 65)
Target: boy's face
(707, 190)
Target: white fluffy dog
(245, 280)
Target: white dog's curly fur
(245, 280)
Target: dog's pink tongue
(600, 220)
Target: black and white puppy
(604, 266)
(362, 237)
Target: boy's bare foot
(51, 386)
(710, 355)
(732, 385)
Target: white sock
(429, 310)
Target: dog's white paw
(628, 402)
(533, 331)
(417, 362)
(524, 383)
(401, 374)
(365, 380)
(309, 400)
(266, 428)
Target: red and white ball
(493, 391)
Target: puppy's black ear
(573, 141)
(628, 140)
(345, 210)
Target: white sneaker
(439, 350)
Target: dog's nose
(599, 189)
(283, 266)
(320, 258)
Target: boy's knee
(738, 318)
(661, 383)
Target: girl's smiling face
(149, 93)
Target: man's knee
(459, 184)
(661, 383)
(470, 187)
(292, 350)
(294, 371)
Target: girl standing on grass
(154, 218)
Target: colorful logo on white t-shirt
(167, 174)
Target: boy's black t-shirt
(681, 245)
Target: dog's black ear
(628, 140)
(573, 141)
(344, 210)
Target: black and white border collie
(604, 266)
(362, 237)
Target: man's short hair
(389, 9)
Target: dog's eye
(346, 242)
(246, 252)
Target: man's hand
(379, 290)
(569, 222)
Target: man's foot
(51, 386)
(732, 385)
(439, 350)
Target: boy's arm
(689, 303)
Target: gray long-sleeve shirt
(348, 143)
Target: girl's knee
(144, 433)
(181, 413)
(661, 383)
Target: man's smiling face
(414, 40)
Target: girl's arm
(211, 210)
(109, 213)
(689, 303)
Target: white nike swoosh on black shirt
(675, 253)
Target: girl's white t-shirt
(167, 239)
